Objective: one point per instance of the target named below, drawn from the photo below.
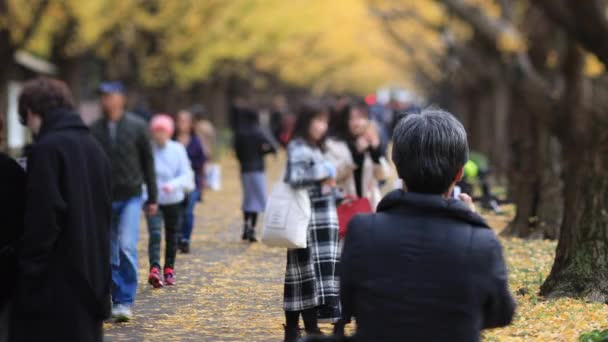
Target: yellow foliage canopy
(326, 45)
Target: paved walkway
(227, 290)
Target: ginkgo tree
(318, 44)
(551, 56)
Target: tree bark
(535, 183)
(582, 252)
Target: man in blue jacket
(425, 267)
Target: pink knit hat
(162, 122)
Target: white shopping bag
(214, 177)
(287, 217)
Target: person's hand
(372, 136)
(331, 182)
(362, 143)
(151, 209)
(168, 188)
(468, 201)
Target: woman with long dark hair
(311, 284)
(186, 135)
(356, 143)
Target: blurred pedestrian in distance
(207, 134)
(186, 135)
(278, 115)
(174, 179)
(340, 107)
(63, 282)
(426, 266)
(12, 207)
(356, 150)
(239, 108)
(378, 112)
(126, 141)
(204, 130)
(311, 283)
(141, 110)
(251, 144)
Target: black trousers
(171, 217)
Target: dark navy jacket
(65, 249)
(12, 207)
(423, 268)
(250, 146)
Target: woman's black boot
(245, 232)
(251, 235)
(311, 323)
(292, 334)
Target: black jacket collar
(60, 119)
(431, 204)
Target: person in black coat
(251, 144)
(12, 206)
(425, 267)
(63, 281)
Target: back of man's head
(43, 95)
(429, 150)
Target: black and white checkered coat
(310, 278)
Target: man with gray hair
(425, 266)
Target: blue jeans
(124, 235)
(188, 221)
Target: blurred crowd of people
(73, 221)
(417, 258)
(337, 150)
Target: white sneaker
(122, 313)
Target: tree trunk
(534, 180)
(500, 150)
(582, 253)
(550, 206)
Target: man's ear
(459, 175)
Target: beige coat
(339, 154)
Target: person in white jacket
(174, 179)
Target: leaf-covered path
(227, 290)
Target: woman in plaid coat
(311, 283)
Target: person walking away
(356, 147)
(63, 281)
(12, 210)
(251, 145)
(425, 260)
(204, 129)
(207, 135)
(175, 179)
(125, 139)
(186, 135)
(311, 285)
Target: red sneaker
(169, 276)
(154, 278)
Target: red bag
(348, 210)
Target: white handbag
(213, 176)
(287, 217)
(190, 185)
